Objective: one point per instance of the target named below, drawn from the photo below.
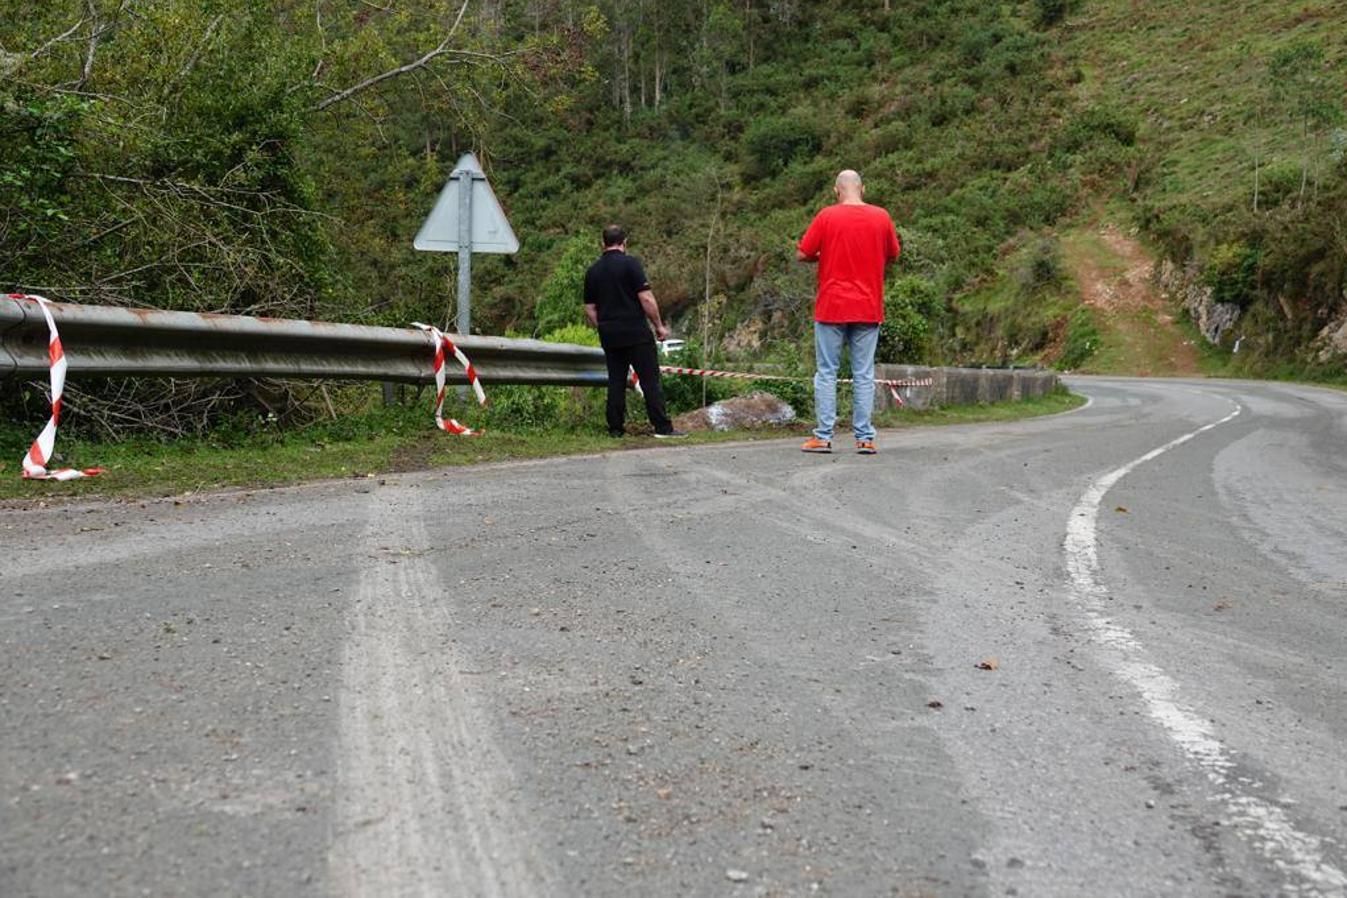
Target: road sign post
(467, 218)
(465, 179)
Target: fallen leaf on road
(1121, 510)
(664, 794)
(989, 664)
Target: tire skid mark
(425, 803)
(1298, 855)
(808, 513)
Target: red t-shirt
(852, 244)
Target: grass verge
(1063, 400)
(379, 442)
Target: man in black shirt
(619, 302)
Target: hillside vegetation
(1243, 110)
(231, 156)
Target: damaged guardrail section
(106, 341)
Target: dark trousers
(644, 360)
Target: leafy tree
(241, 157)
(561, 300)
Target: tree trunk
(626, 78)
(659, 75)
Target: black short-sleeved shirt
(612, 284)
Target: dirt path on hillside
(1138, 325)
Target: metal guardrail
(106, 341)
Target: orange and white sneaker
(817, 446)
(866, 447)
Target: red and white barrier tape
(893, 385)
(35, 462)
(442, 342)
(736, 375)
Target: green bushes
(515, 407)
(1050, 12)
(578, 334)
(1040, 268)
(997, 47)
(773, 142)
(561, 300)
(910, 305)
(1300, 259)
(1096, 124)
(1082, 340)
(1231, 271)
(1020, 317)
(1278, 183)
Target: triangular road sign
(491, 232)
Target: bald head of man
(848, 187)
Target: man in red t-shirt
(852, 242)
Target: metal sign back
(490, 230)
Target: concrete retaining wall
(963, 386)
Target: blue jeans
(861, 340)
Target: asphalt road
(728, 670)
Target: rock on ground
(739, 412)
(1332, 341)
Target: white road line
(1299, 856)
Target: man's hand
(661, 332)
